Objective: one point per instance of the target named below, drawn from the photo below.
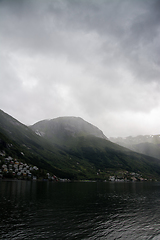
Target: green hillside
(36, 149)
(70, 147)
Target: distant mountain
(72, 148)
(145, 144)
(62, 130)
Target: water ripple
(79, 211)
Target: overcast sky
(99, 60)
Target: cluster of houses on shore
(12, 168)
(126, 177)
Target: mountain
(70, 147)
(63, 130)
(86, 142)
(145, 144)
(36, 150)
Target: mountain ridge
(145, 144)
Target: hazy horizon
(98, 60)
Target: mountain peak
(63, 127)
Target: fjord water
(86, 210)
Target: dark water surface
(47, 210)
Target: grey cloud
(129, 33)
(88, 58)
(132, 30)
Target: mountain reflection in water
(47, 210)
